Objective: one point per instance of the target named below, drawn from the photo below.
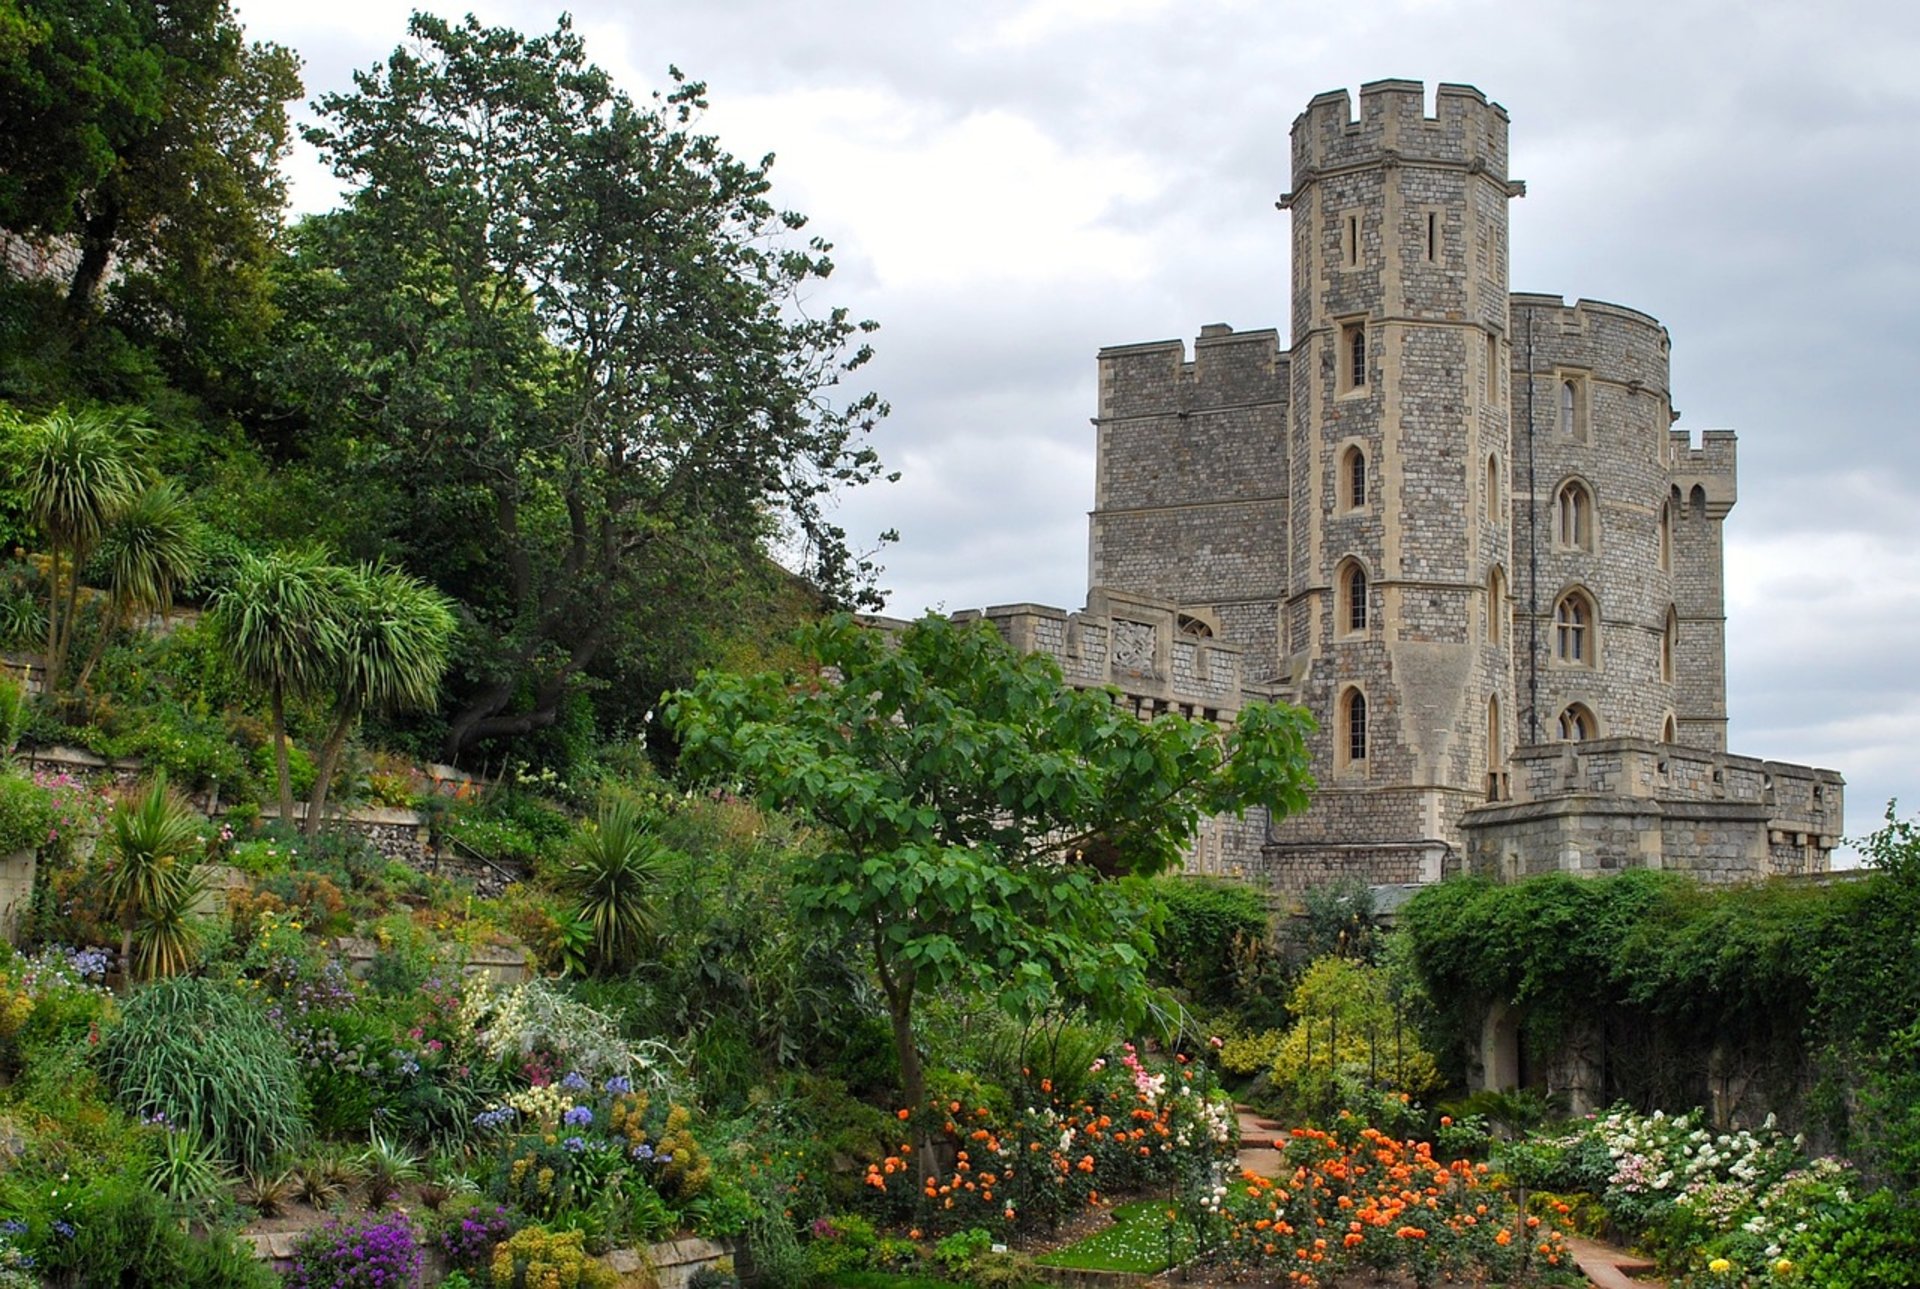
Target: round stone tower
(1398, 626)
(1600, 617)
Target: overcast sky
(1011, 184)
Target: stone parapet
(1622, 803)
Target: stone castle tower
(1453, 522)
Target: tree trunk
(96, 251)
(53, 618)
(913, 1079)
(109, 624)
(323, 772)
(280, 756)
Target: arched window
(1573, 516)
(1195, 628)
(1496, 606)
(1351, 607)
(1697, 502)
(1496, 737)
(1492, 495)
(1353, 479)
(1577, 724)
(1353, 727)
(1669, 731)
(1574, 640)
(1569, 403)
(1669, 643)
(1666, 536)
(1354, 336)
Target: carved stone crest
(1133, 646)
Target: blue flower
(575, 1082)
(575, 1144)
(63, 1228)
(619, 1085)
(579, 1116)
(642, 1151)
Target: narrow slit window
(1356, 726)
(1433, 237)
(1353, 241)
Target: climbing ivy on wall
(1820, 984)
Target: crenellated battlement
(1160, 658)
(1466, 130)
(1712, 467)
(1228, 369)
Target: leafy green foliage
(550, 340)
(974, 807)
(1202, 924)
(26, 814)
(205, 1057)
(156, 138)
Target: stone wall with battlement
(1631, 803)
(1190, 491)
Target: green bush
(26, 814)
(1874, 1246)
(841, 1243)
(1203, 923)
(116, 1231)
(206, 1057)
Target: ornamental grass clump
(368, 1253)
(201, 1056)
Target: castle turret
(1399, 552)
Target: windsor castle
(1455, 523)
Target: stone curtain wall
(1631, 803)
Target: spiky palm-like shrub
(147, 551)
(206, 1058)
(153, 840)
(613, 869)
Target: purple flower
(575, 1145)
(619, 1085)
(578, 1117)
(575, 1082)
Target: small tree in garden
(386, 650)
(277, 621)
(79, 471)
(148, 551)
(986, 823)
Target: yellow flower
(1719, 1266)
(1783, 1267)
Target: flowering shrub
(1356, 1199)
(467, 1236)
(567, 1146)
(537, 1258)
(369, 1253)
(1690, 1195)
(1135, 1127)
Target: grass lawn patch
(1137, 1241)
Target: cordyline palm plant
(79, 471)
(612, 868)
(148, 551)
(279, 621)
(151, 886)
(389, 648)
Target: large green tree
(148, 133)
(556, 340)
(986, 824)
